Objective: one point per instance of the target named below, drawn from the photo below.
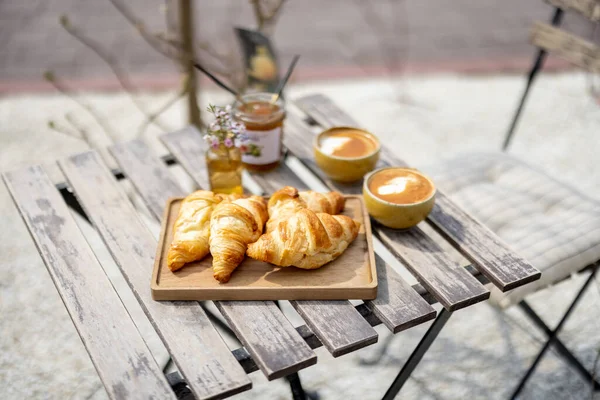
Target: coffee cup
(346, 154)
(397, 197)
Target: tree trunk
(186, 25)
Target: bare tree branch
(184, 89)
(51, 78)
(389, 54)
(83, 133)
(109, 60)
(75, 131)
(266, 18)
(169, 45)
(170, 18)
(58, 127)
(153, 40)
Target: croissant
(305, 240)
(192, 229)
(287, 201)
(330, 203)
(233, 225)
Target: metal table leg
(418, 354)
(553, 335)
(559, 345)
(537, 66)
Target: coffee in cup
(346, 154)
(400, 186)
(398, 197)
(347, 143)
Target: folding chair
(553, 225)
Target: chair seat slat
(572, 48)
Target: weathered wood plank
(118, 352)
(337, 324)
(588, 8)
(451, 284)
(572, 48)
(148, 175)
(142, 166)
(489, 254)
(196, 347)
(265, 332)
(480, 245)
(276, 179)
(397, 305)
(186, 145)
(339, 327)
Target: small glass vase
(225, 169)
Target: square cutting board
(351, 276)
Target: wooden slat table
(270, 342)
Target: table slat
(147, 174)
(340, 328)
(337, 324)
(188, 147)
(503, 267)
(118, 352)
(492, 257)
(274, 180)
(196, 347)
(452, 285)
(276, 347)
(397, 305)
(156, 188)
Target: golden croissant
(330, 203)
(191, 230)
(233, 225)
(305, 240)
(287, 201)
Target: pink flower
(228, 142)
(215, 143)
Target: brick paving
(335, 38)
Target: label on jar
(263, 147)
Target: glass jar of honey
(224, 165)
(264, 128)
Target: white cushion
(551, 224)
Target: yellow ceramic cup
(346, 169)
(397, 216)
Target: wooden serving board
(351, 276)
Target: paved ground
(482, 352)
(335, 38)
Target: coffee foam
(396, 185)
(330, 144)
